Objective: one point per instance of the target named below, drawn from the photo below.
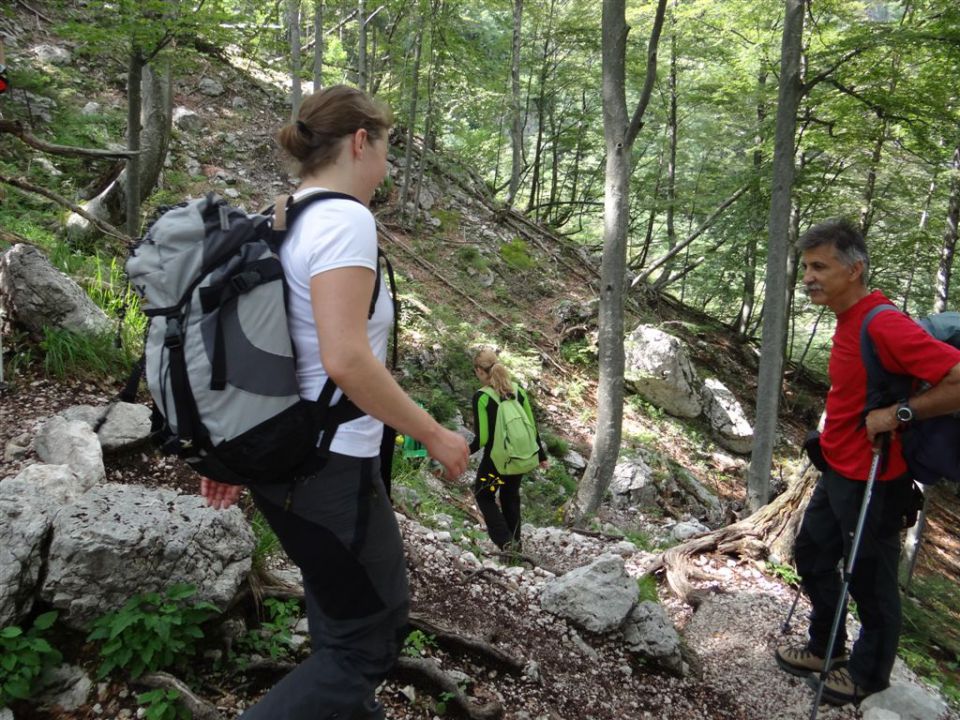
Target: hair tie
(301, 126)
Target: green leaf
(11, 631)
(46, 620)
(8, 662)
(17, 688)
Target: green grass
(930, 639)
(544, 494)
(68, 354)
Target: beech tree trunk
(945, 268)
(318, 46)
(774, 316)
(516, 108)
(756, 225)
(362, 45)
(667, 270)
(135, 67)
(412, 119)
(293, 28)
(619, 136)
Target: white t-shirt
(333, 234)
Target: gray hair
(846, 239)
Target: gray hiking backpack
(218, 356)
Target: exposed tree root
(429, 672)
(451, 636)
(771, 529)
(198, 707)
(15, 127)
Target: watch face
(904, 414)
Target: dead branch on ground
(16, 128)
(104, 227)
(451, 636)
(428, 670)
(200, 709)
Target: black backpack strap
(883, 387)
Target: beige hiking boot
(797, 660)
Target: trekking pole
(847, 574)
(785, 628)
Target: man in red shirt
(835, 263)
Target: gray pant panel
(341, 532)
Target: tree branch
(104, 227)
(704, 226)
(198, 707)
(429, 670)
(817, 79)
(637, 122)
(15, 127)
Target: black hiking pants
(825, 538)
(503, 519)
(340, 530)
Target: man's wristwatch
(904, 412)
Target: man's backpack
(515, 450)
(931, 447)
(218, 355)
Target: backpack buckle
(245, 281)
(173, 337)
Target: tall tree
(318, 45)
(619, 131)
(516, 105)
(774, 300)
(293, 34)
(945, 266)
(362, 44)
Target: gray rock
(6, 714)
(210, 87)
(597, 597)
(119, 540)
(907, 701)
(124, 425)
(37, 295)
(659, 369)
(52, 54)
(683, 530)
(726, 417)
(70, 442)
(66, 687)
(25, 520)
(633, 484)
(574, 460)
(91, 108)
(187, 120)
(649, 632)
(58, 482)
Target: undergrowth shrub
(24, 656)
(152, 631)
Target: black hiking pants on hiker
(825, 538)
(341, 532)
(503, 520)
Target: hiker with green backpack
(504, 427)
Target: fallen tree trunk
(769, 531)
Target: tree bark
(412, 118)
(318, 46)
(667, 270)
(618, 138)
(774, 318)
(293, 29)
(362, 45)
(945, 268)
(516, 109)
(155, 112)
(748, 298)
(134, 103)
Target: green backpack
(515, 450)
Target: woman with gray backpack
(336, 522)
(505, 428)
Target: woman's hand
(218, 495)
(544, 464)
(450, 450)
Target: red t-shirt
(904, 348)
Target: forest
(677, 149)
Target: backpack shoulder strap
(883, 387)
(487, 390)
